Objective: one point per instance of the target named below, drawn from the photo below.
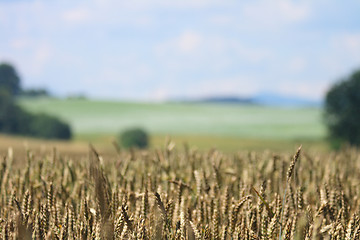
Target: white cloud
(343, 56)
(316, 90)
(238, 85)
(297, 64)
(185, 43)
(20, 43)
(349, 43)
(275, 13)
(251, 54)
(146, 4)
(189, 41)
(78, 15)
(41, 57)
(212, 50)
(160, 94)
(109, 13)
(222, 19)
(196, 39)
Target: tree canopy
(9, 79)
(15, 120)
(342, 110)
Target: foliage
(12, 118)
(342, 111)
(45, 126)
(15, 120)
(9, 79)
(135, 137)
(35, 93)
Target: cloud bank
(154, 50)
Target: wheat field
(180, 193)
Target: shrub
(135, 137)
(45, 126)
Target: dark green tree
(135, 137)
(9, 79)
(45, 126)
(342, 111)
(15, 120)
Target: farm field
(228, 127)
(177, 193)
(104, 144)
(257, 186)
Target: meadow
(227, 127)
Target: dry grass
(179, 193)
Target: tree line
(15, 120)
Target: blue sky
(161, 49)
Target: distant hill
(235, 100)
(273, 99)
(266, 99)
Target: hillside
(108, 117)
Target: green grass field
(197, 123)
